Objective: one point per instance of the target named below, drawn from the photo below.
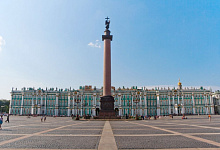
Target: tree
(4, 106)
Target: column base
(107, 108)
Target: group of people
(43, 118)
(1, 120)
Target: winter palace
(85, 101)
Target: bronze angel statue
(107, 22)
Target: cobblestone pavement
(195, 133)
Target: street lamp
(129, 105)
(136, 101)
(77, 100)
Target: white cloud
(2, 42)
(97, 44)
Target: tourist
(41, 118)
(7, 120)
(1, 121)
(45, 118)
(209, 117)
(2, 118)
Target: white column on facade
(169, 109)
(183, 105)
(73, 108)
(120, 111)
(178, 99)
(32, 105)
(173, 104)
(81, 104)
(35, 99)
(39, 107)
(93, 111)
(119, 99)
(41, 103)
(68, 111)
(205, 97)
(57, 104)
(140, 110)
(94, 106)
(145, 102)
(140, 100)
(176, 109)
(211, 99)
(132, 105)
(45, 104)
(36, 104)
(205, 101)
(10, 105)
(93, 100)
(140, 104)
(212, 105)
(81, 112)
(22, 103)
(96, 97)
(194, 108)
(158, 104)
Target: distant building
(86, 100)
(216, 100)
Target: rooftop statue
(107, 22)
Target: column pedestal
(107, 108)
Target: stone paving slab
(146, 131)
(163, 142)
(212, 137)
(197, 130)
(130, 127)
(75, 132)
(8, 137)
(55, 143)
(83, 127)
(177, 127)
(65, 133)
(21, 131)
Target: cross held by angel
(107, 22)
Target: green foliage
(4, 105)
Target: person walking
(1, 121)
(2, 118)
(209, 117)
(45, 118)
(7, 120)
(41, 119)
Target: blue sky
(57, 43)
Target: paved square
(196, 132)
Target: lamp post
(129, 105)
(84, 108)
(77, 100)
(136, 100)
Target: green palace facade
(86, 101)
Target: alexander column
(107, 101)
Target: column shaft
(107, 68)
